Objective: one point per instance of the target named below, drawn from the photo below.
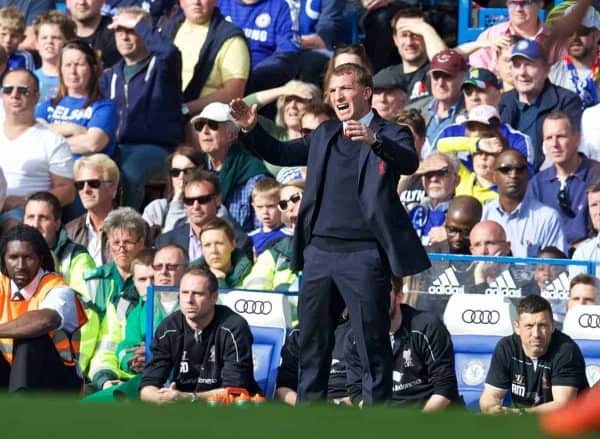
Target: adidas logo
(446, 283)
(504, 285)
(558, 289)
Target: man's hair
(29, 234)
(125, 218)
(65, 23)
(406, 12)
(49, 199)
(318, 108)
(561, 115)
(29, 73)
(200, 175)
(137, 11)
(554, 252)
(101, 162)
(12, 19)
(194, 155)
(533, 304)
(144, 257)
(413, 118)
(267, 187)
(177, 247)
(350, 49)
(584, 279)
(361, 75)
(201, 270)
(593, 187)
(219, 224)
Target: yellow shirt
(232, 61)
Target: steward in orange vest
(40, 317)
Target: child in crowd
(265, 200)
(52, 30)
(12, 33)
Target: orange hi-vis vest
(66, 345)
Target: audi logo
(589, 321)
(480, 316)
(246, 306)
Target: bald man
(463, 213)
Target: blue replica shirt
(260, 239)
(48, 85)
(267, 25)
(21, 59)
(423, 217)
(100, 114)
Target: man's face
(560, 142)
(475, 96)
(593, 199)
(411, 47)
(95, 190)
(582, 294)
(84, 10)
(129, 44)
(201, 202)
(488, 241)
(458, 227)
(39, 214)
(511, 175)
(10, 40)
(198, 11)
(21, 262)
(23, 94)
(217, 249)
(265, 209)
(440, 185)
(528, 76)
(143, 277)
(446, 87)
(50, 41)
(349, 99)
(124, 246)
(168, 266)
(196, 301)
(389, 102)
(535, 330)
(583, 42)
(215, 140)
(523, 12)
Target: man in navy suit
(352, 233)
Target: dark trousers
(362, 280)
(37, 366)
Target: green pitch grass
(61, 418)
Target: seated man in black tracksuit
(287, 379)
(423, 359)
(204, 347)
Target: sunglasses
(507, 169)
(176, 172)
(564, 202)
(202, 199)
(169, 267)
(94, 183)
(212, 124)
(294, 198)
(305, 131)
(439, 173)
(22, 90)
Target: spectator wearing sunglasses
(529, 225)
(37, 159)
(145, 85)
(562, 186)
(439, 175)
(96, 181)
(202, 201)
(238, 170)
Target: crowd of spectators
(108, 100)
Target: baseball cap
(217, 111)
(481, 78)
(448, 61)
(591, 19)
(529, 49)
(386, 79)
(484, 114)
(431, 163)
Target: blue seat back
(266, 354)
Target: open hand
(244, 116)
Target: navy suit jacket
(379, 168)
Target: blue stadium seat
(476, 323)
(582, 324)
(266, 354)
(259, 308)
